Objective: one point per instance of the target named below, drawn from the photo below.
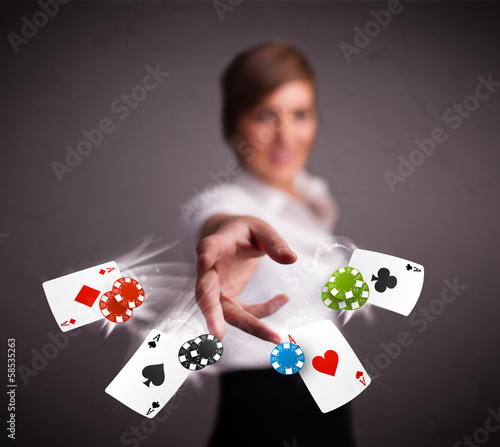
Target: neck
(285, 186)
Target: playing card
(395, 284)
(151, 377)
(332, 372)
(74, 298)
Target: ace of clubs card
(395, 283)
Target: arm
(228, 254)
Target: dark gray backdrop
(444, 215)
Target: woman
(270, 120)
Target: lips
(282, 157)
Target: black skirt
(265, 408)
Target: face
(274, 139)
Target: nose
(283, 131)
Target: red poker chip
(113, 310)
(128, 292)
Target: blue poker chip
(287, 358)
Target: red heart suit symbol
(358, 374)
(327, 364)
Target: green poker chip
(345, 290)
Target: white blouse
(305, 225)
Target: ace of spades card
(332, 373)
(151, 377)
(395, 284)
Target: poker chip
(128, 292)
(345, 290)
(204, 350)
(113, 310)
(185, 358)
(287, 358)
(207, 348)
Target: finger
(207, 250)
(262, 310)
(210, 249)
(207, 294)
(271, 242)
(239, 317)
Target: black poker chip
(207, 349)
(186, 358)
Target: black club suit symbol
(384, 280)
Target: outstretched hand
(227, 258)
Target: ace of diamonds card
(74, 298)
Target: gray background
(444, 216)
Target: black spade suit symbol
(384, 280)
(155, 374)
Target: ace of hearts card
(332, 372)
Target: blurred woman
(272, 213)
